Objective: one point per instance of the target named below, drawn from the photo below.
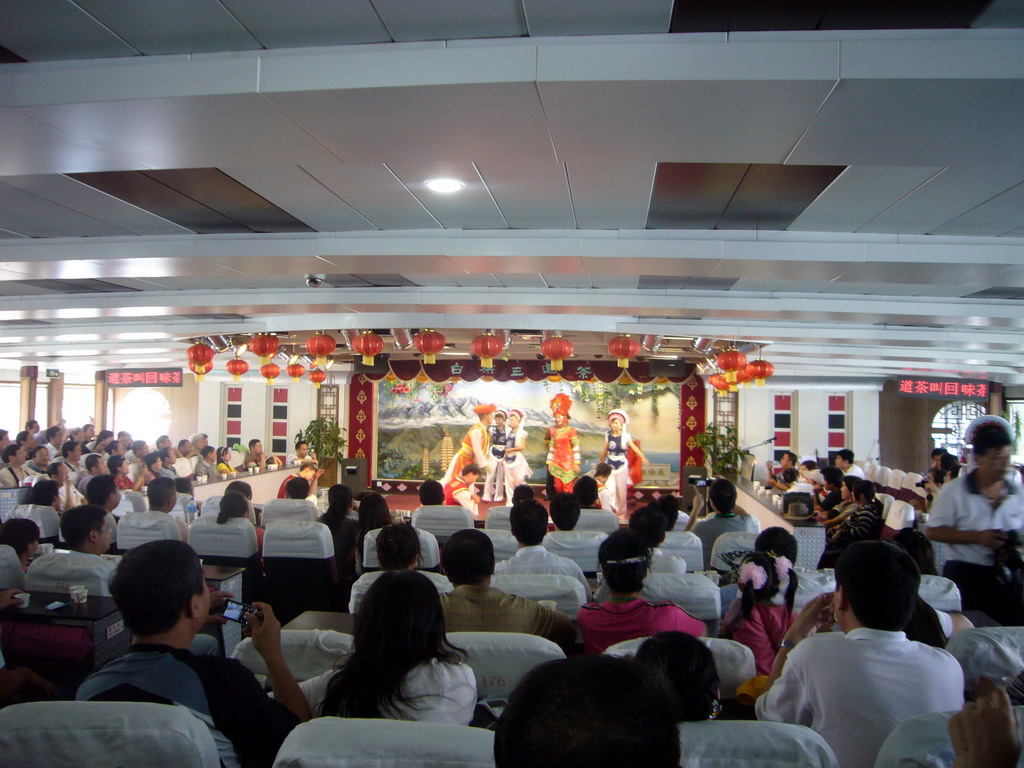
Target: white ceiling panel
(40, 30)
(171, 26)
(793, 270)
(600, 205)
(295, 191)
(858, 195)
(393, 125)
(912, 273)
(29, 226)
(989, 218)
(301, 23)
(530, 194)
(470, 208)
(598, 17)
(916, 123)
(481, 280)
(1001, 13)
(416, 20)
(562, 280)
(18, 201)
(375, 193)
(622, 282)
(431, 279)
(525, 280)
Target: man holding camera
(980, 518)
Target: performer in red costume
(563, 446)
(476, 445)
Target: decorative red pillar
(692, 417)
(361, 392)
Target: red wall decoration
(692, 415)
(361, 414)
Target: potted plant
(721, 451)
(325, 439)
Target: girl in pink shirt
(760, 616)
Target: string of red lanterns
(556, 349)
(369, 345)
(486, 346)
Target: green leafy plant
(721, 449)
(326, 440)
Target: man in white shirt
(529, 523)
(54, 440)
(87, 531)
(15, 472)
(854, 687)
(844, 460)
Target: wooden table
(810, 534)
(264, 484)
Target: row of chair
(897, 483)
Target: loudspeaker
(354, 473)
(670, 368)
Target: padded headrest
(298, 538)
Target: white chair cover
(901, 515)
(579, 546)
(234, 538)
(895, 481)
(505, 544)
(309, 652)
(940, 593)
(192, 461)
(732, 743)
(105, 735)
(57, 571)
(597, 520)
(693, 592)
(211, 507)
(882, 477)
(733, 541)
(11, 575)
(498, 519)
(123, 507)
(45, 517)
(500, 659)
(909, 485)
(995, 652)
(289, 509)
(180, 505)
(442, 521)
(333, 742)
(870, 471)
(363, 583)
(183, 467)
(810, 584)
(887, 501)
(299, 539)
(923, 742)
(140, 528)
(685, 545)
(430, 552)
(136, 499)
(567, 592)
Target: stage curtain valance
(519, 370)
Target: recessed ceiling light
(445, 186)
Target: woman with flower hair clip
(760, 616)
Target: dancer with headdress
(476, 445)
(517, 471)
(617, 444)
(494, 482)
(563, 446)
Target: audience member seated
(39, 459)
(586, 491)
(256, 458)
(160, 592)
(398, 549)
(589, 712)
(21, 684)
(162, 497)
(475, 606)
(689, 666)
(224, 458)
(810, 474)
(21, 535)
(206, 464)
(529, 522)
(168, 457)
(669, 506)
(151, 466)
(373, 514)
(788, 461)
(650, 524)
(344, 530)
(722, 502)
(53, 440)
(86, 530)
(15, 471)
(103, 493)
(832, 480)
(302, 453)
(844, 460)
(863, 524)
(310, 473)
(564, 509)
(948, 469)
(922, 624)
(846, 506)
(94, 467)
(461, 490)
(431, 494)
(605, 494)
(402, 666)
(854, 686)
(625, 560)
(234, 506)
(118, 467)
(521, 493)
(763, 613)
(68, 497)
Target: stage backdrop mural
(420, 423)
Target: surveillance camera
(315, 281)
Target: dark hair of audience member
(18, 533)
(398, 547)
(114, 464)
(183, 485)
(232, 504)
(604, 469)
(588, 712)
(529, 522)
(625, 559)
(69, 447)
(22, 437)
(161, 492)
(789, 475)
(253, 443)
(54, 467)
(52, 432)
(468, 557)
(339, 504)
(78, 522)
(722, 495)
(585, 489)
(400, 625)
(864, 494)
(649, 524)
(939, 452)
(99, 489)
(989, 436)
(206, 452)
(431, 493)
(881, 582)
(9, 451)
(150, 460)
(846, 455)
(749, 595)
(832, 475)
(689, 667)
(240, 486)
(917, 545)
(809, 464)
(924, 625)
(154, 583)
(297, 488)
(224, 455)
(165, 456)
(45, 455)
(522, 493)
(44, 493)
(793, 458)
(669, 506)
(92, 461)
(373, 514)
(950, 463)
(777, 542)
(850, 481)
(565, 511)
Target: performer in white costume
(494, 483)
(517, 471)
(617, 443)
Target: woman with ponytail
(763, 611)
(234, 506)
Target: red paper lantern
(556, 349)
(429, 343)
(320, 345)
(624, 348)
(731, 361)
(264, 346)
(717, 380)
(270, 371)
(236, 366)
(761, 370)
(200, 359)
(295, 370)
(486, 346)
(200, 370)
(369, 345)
(744, 376)
(318, 377)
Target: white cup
(23, 596)
(79, 594)
(551, 605)
(45, 549)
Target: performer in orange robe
(476, 445)
(563, 446)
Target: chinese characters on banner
(955, 389)
(144, 377)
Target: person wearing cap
(476, 445)
(494, 481)
(517, 471)
(616, 445)
(563, 446)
